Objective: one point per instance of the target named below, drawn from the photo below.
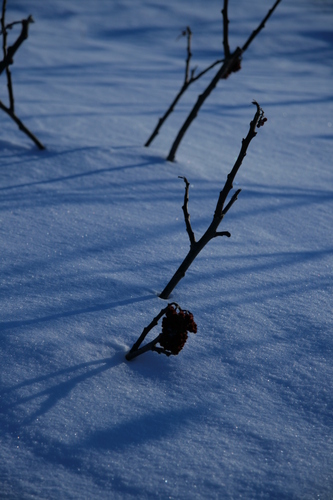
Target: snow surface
(92, 230)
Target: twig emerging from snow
(8, 54)
(175, 327)
(220, 210)
(231, 64)
(188, 80)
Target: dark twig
(225, 29)
(8, 54)
(172, 339)
(151, 325)
(189, 54)
(231, 64)
(220, 210)
(10, 51)
(260, 27)
(21, 126)
(186, 214)
(188, 80)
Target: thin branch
(231, 202)
(220, 211)
(4, 51)
(231, 64)
(21, 126)
(133, 353)
(227, 67)
(186, 213)
(260, 27)
(225, 29)
(188, 80)
(146, 330)
(257, 119)
(10, 52)
(189, 54)
(199, 75)
(10, 25)
(3, 29)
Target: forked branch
(8, 54)
(231, 64)
(221, 207)
(189, 78)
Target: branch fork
(220, 211)
(8, 55)
(231, 63)
(189, 78)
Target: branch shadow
(54, 394)
(96, 308)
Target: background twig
(188, 80)
(8, 54)
(230, 65)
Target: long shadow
(152, 426)
(59, 391)
(65, 314)
(83, 174)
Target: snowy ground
(92, 230)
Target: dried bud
(175, 326)
(261, 122)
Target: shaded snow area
(92, 229)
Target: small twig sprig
(176, 324)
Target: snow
(92, 230)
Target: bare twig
(186, 214)
(10, 51)
(188, 80)
(220, 210)
(21, 126)
(8, 54)
(189, 54)
(260, 27)
(151, 325)
(231, 64)
(225, 29)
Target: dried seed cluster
(175, 328)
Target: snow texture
(92, 230)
